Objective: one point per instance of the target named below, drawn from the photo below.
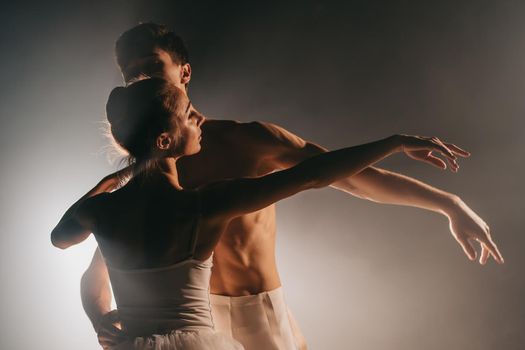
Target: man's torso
(244, 259)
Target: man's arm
(285, 149)
(96, 300)
(95, 290)
(387, 187)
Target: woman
(149, 230)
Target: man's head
(151, 49)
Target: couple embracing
(188, 242)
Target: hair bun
(116, 107)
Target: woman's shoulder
(88, 210)
(97, 199)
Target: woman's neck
(164, 171)
(168, 168)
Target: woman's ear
(164, 141)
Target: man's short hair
(143, 39)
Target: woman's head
(153, 119)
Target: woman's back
(159, 300)
(147, 232)
(146, 224)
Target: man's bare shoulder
(224, 126)
(257, 133)
(220, 124)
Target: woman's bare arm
(283, 149)
(233, 198)
(79, 224)
(69, 226)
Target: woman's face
(188, 123)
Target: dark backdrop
(357, 275)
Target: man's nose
(201, 120)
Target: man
(246, 295)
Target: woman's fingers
(457, 150)
(435, 161)
(449, 154)
(451, 159)
(448, 150)
(454, 165)
(443, 149)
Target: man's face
(159, 64)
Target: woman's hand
(422, 148)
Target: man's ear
(164, 141)
(185, 74)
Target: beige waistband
(217, 299)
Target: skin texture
(244, 261)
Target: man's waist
(233, 279)
(242, 300)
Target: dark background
(357, 275)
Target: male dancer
(246, 295)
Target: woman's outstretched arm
(241, 196)
(283, 149)
(228, 199)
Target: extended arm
(237, 197)
(388, 187)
